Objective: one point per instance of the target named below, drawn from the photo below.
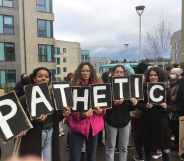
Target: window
(65, 69)
(64, 50)
(6, 24)
(44, 5)
(45, 53)
(45, 28)
(11, 76)
(58, 60)
(7, 76)
(57, 51)
(2, 78)
(7, 51)
(53, 72)
(58, 70)
(64, 60)
(6, 3)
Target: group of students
(151, 124)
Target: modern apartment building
(68, 57)
(181, 58)
(26, 37)
(175, 47)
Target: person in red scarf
(85, 126)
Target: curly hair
(77, 75)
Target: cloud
(102, 25)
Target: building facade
(85, 55)
(182, 35)
(26, 38)
(98, 62)
(67, 56)
(175, 47)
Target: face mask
(172, 76)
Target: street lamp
(140, 10)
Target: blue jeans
(76, 143)
(47, 144)
(110, 142)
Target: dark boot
(166, 156)
(147, 156)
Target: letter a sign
(38, 100)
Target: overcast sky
(102, 26)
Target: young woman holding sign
(118, 121)
(155, 120)
(85, 126)
(43, 139)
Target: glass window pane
(1, 24)
(64, 50)
(9, 52)
(64, 60)
(48, 6)
(1, 51)
(40, 5)
(42, 53)
(58, 51)
(64, 69)
(8, 25)
(46, 53)
(45, 28)
(49, 29)
(8, 3)
(42, 28)
(2, 78)
(10, 76)
(49, 53)
(8, 20)
(1, 2)
(58, 70)
(44, 5)
(58, 61)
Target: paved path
(100, 153)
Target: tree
(158, 41)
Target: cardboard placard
(62, 95)
(38, 100)
(81, 98)
(120, 88)
(136, 86)
(13, 119)
(156, 93)
(102, 95)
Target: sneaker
(137, 158)
(68, 148)
(172, 138)
(61, 133)
(157, 155)
(116, 150)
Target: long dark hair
(77, 75)
(160, 73)
(117, 66)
